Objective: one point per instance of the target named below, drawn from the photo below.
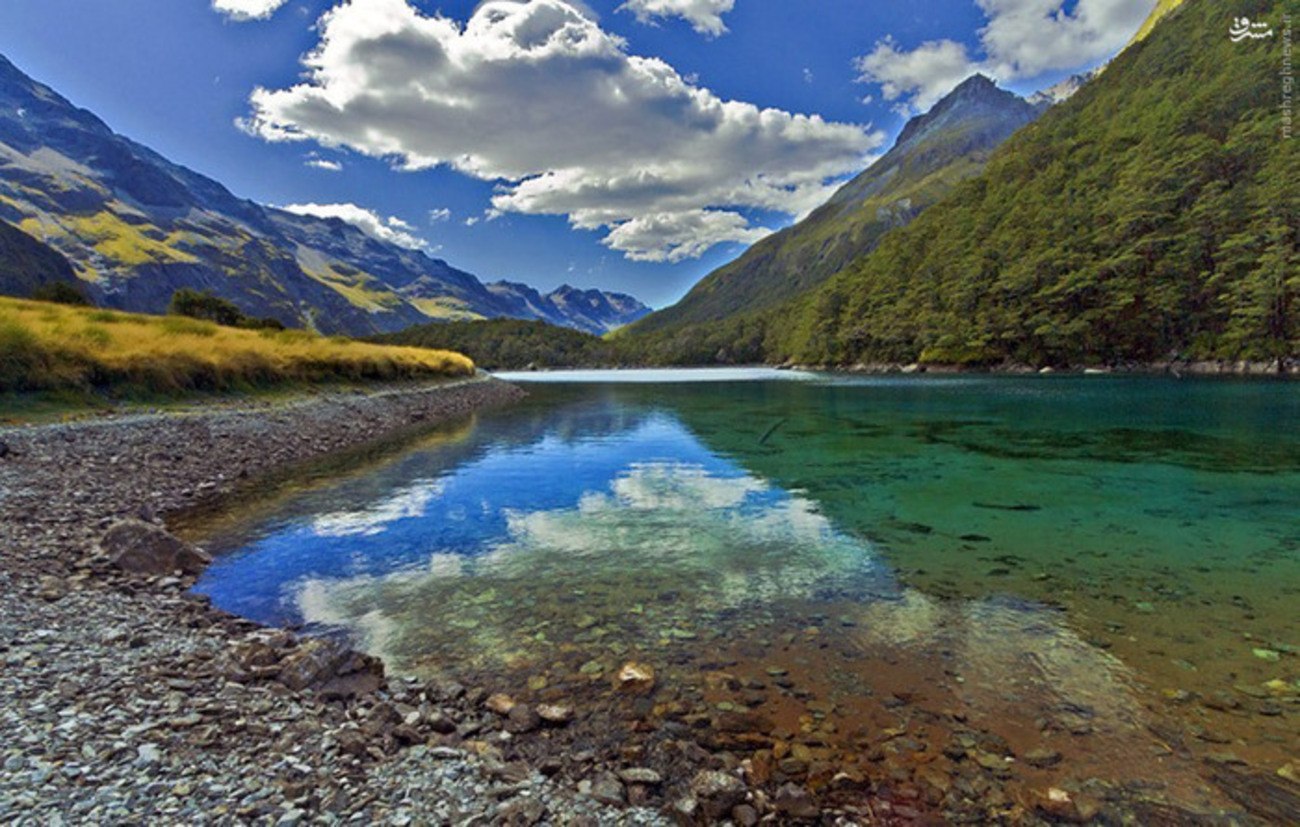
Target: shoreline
(129, 697)
(1177, 369)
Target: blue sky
(629, 147)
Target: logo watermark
(1288, 77)
(1243, 28)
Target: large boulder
(146, 548)
(331, 669)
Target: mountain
(136, 227)
(1063, 91)
(591, 311)
(28, 264)
(1153, 216)
(933, 154)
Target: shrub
(61, 293)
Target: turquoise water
(1027, 545)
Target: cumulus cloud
(535, 95)
(391, 229)
(439, 215)
(243, 10)
(705, 16)
(1022, 39)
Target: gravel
(127, 699)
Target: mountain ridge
(136, 227)
(933, 153)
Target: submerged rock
(636, 677)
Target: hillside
(137, 227)
(26, 264)
(933, 153)
(510, 344)
(51, 347)
(1154, 214)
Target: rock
(744, 815)
(716, 794)
(147, 755)
(1042, 758)
(635, 678)
(555, 714)
(522, 718)
(794, 802)
(500, 703)
(740, 722)
(330, 668)
(145, 548)
(5, 450)
(441, 723)
(521, 812)
(607, 789)
(640, 775)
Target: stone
(744, 815)
(147, 755)
(640, 775)
(607, 789)
(635, 677)
(500, 703)
(330, 668)
(555, 714)
(5, 450)
(441, 723)
(521, 719)
(716, 794)
(1042, 758)
(521, 812)
(145, 548)
(794, 802)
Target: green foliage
(206, 306)
(211, 308)
(1154, 215)
(934, 154)
(60, 293)
(497, 344)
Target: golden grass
(51, 347)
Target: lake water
(1099, 573)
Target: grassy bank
(57, 349)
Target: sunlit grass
(49, 347)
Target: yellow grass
(52, 347)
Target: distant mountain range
(592, 311)
(135, 227)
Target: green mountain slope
(933, 153)
(1156, 213)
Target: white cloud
(391, 229)
(243, 10)
(439, 215)
(322, 163)
(680, 235)
(1023, 39)
(535, 94)
(705, 16)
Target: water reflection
(1043, 561)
